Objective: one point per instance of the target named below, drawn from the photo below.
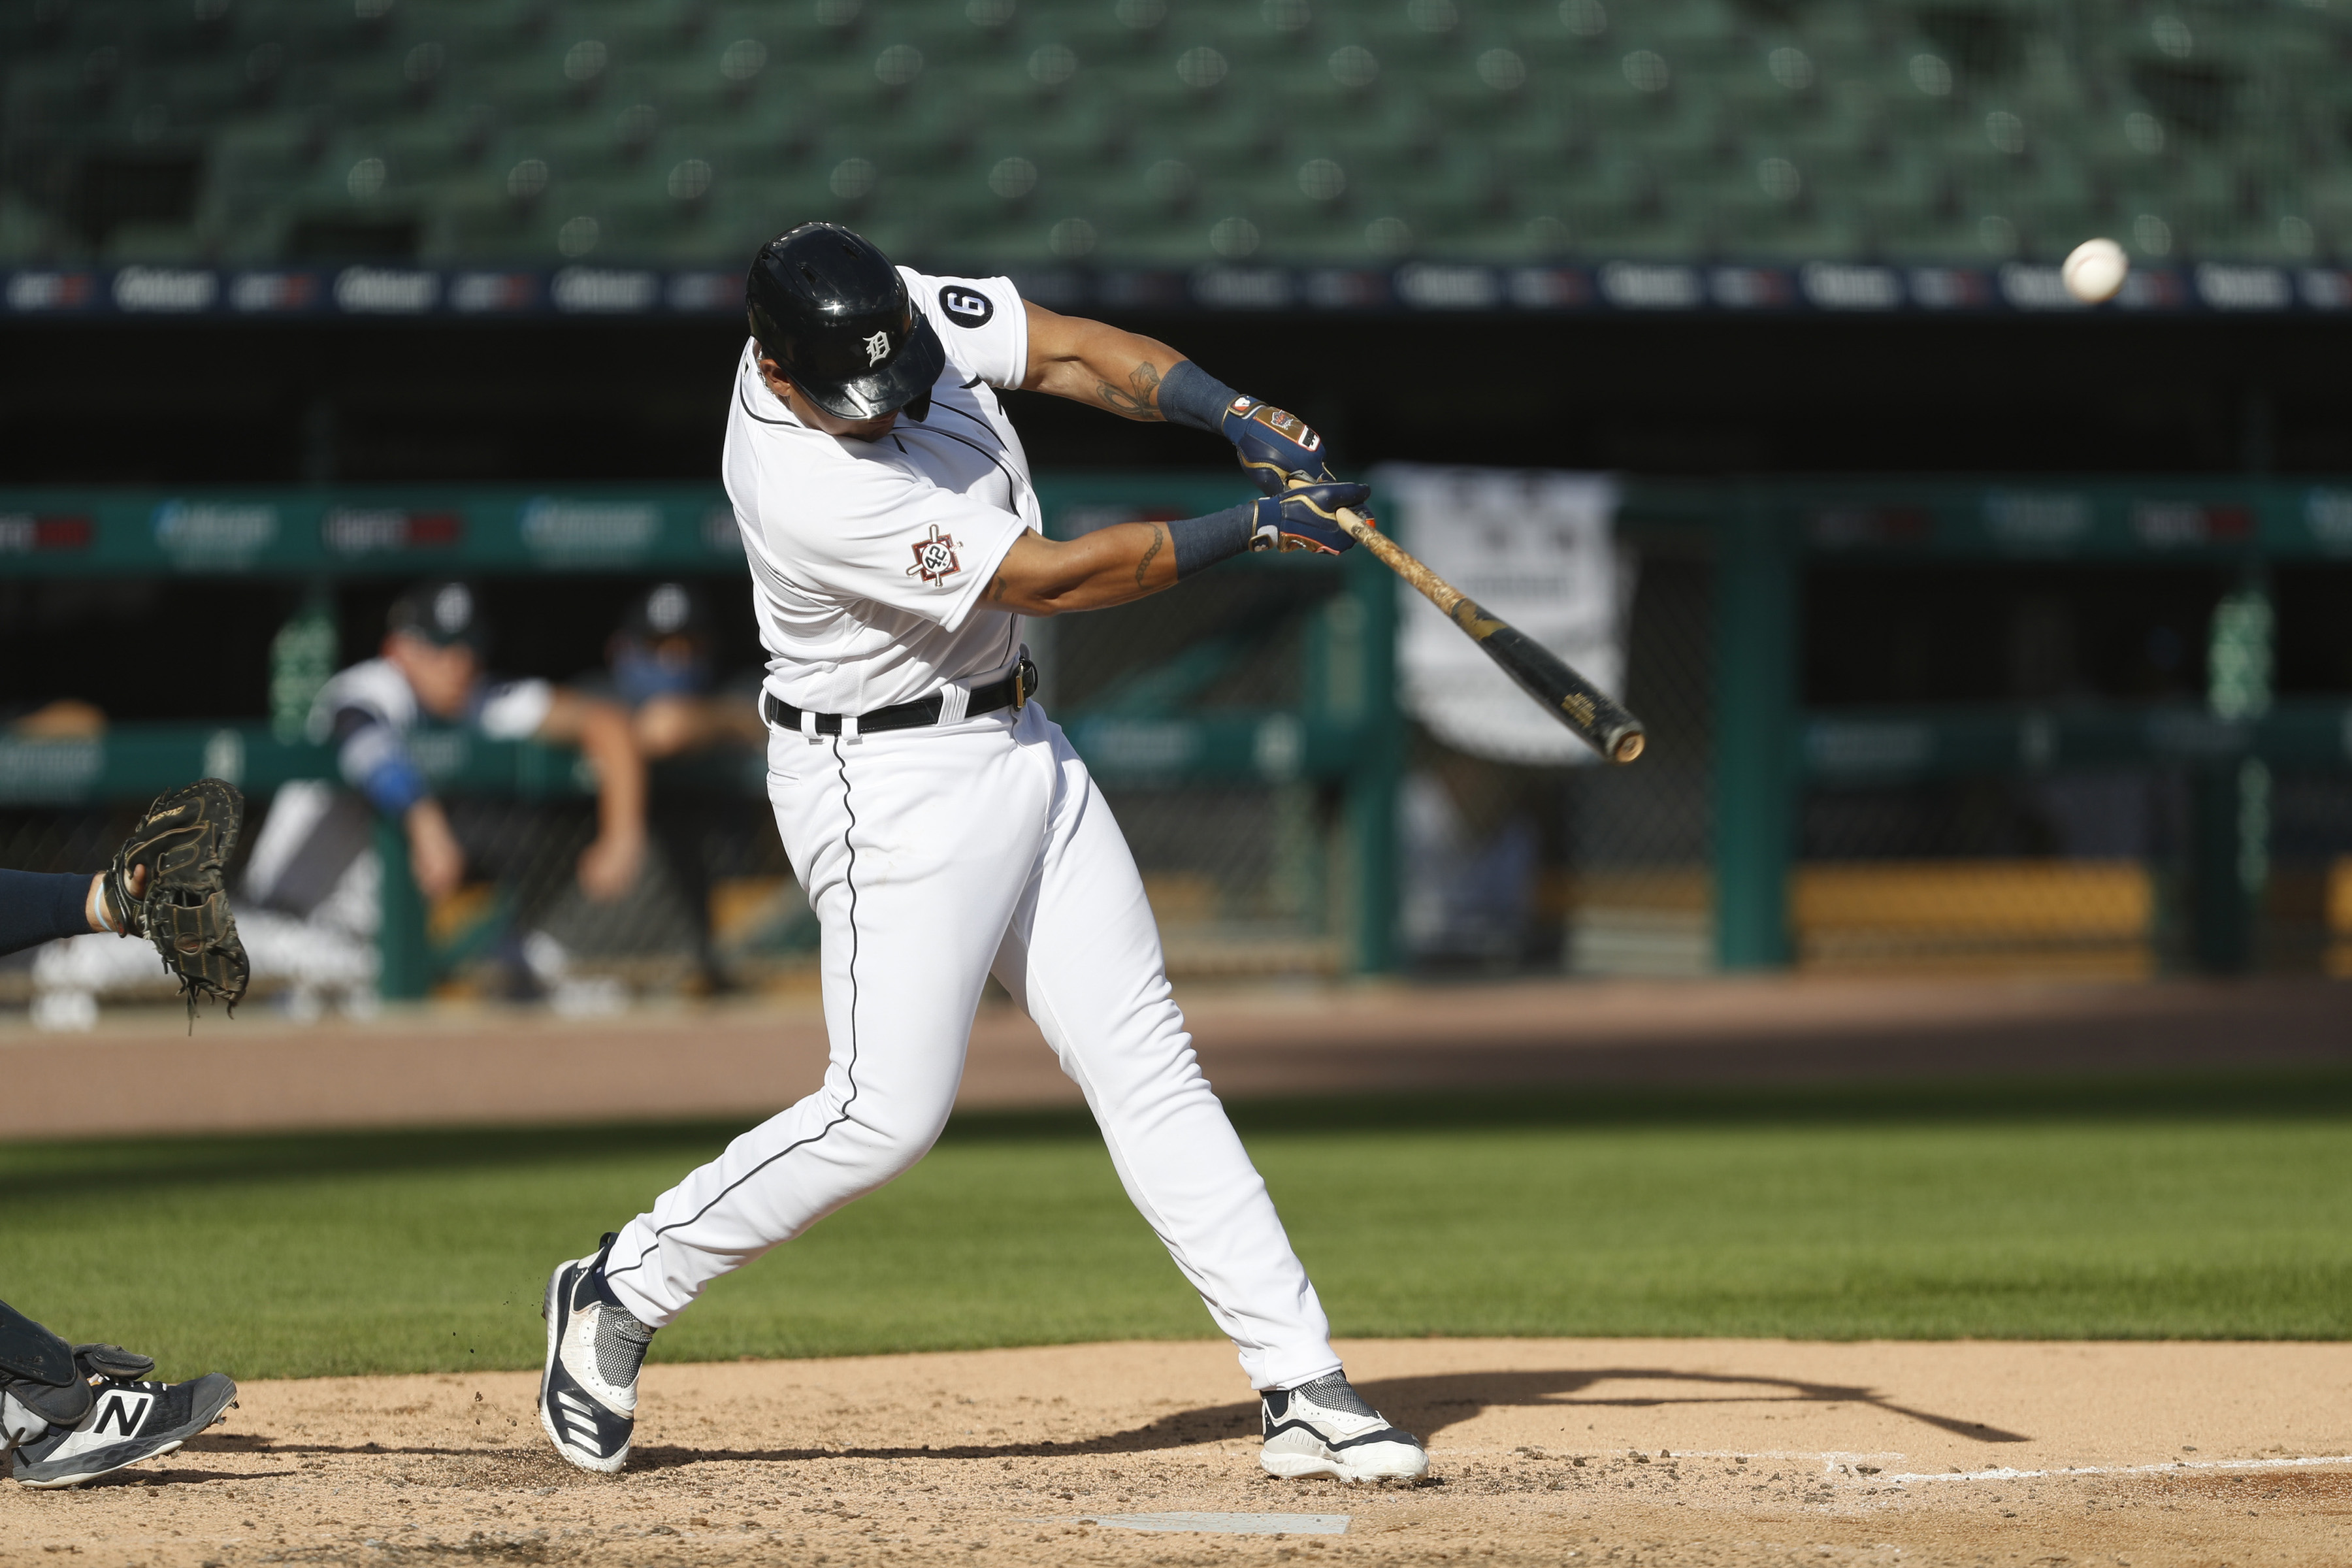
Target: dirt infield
(1684, 1451)
(458, 1064)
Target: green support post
(2221, 940)
(2229, 856)
(1756, 719)
(406, 968)
(1373, 783)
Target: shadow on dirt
(1429, 1405)
(1426, 1406)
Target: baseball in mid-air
(2094, 270)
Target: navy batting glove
(1277, 449)
(1306, 517)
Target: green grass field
(2175, 1208)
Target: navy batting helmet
(834, 315)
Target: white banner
(1534, 548)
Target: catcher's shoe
(588, 1395)
(126, 1422)
(1324, 1428)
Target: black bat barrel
(1593, 714)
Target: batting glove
(1277, 449)
(1306, 517)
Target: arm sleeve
(369, 755)
(982, 322)
(39, 906)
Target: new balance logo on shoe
(126, 1422)
(122, 1411)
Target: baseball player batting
(941, 823)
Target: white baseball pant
(933, 855)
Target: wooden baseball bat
(1598, 718)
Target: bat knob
(1627, 746)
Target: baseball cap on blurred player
(667, 610)
(836, 318)
(663, 645)
(445, 614)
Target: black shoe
(126, 1422)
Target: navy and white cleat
(588, 1395)
(1324, 1428)
(126, 1421)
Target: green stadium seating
(1630, 127)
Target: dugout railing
(2203, 821)
(1248, 732)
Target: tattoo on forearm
(1151, 553)
(1138, 399)
(996, 589)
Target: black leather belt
(1014, 691)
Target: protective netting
(1247, 875)
(1253, 862)
(2075, 872)
(1593, 869)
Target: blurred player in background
(661, 663)
(311, 901)
(313, 866)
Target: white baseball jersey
(502, 710)
(936, 855)
(869, 558)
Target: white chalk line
(2170, 1467)
(1839, 1466)
(1213, 1523)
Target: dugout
(2095, 726)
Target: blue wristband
(1205, 541)
(1191, 395)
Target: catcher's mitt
(184, 841)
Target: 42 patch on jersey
(935, 558)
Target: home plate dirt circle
(1700, 1451)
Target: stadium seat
(165, 244)
(26, 234)
(254, 162)
(1464, 121)
(479, 223)
(1168, 240)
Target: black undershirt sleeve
(41, 906)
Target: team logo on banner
(935, 558)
